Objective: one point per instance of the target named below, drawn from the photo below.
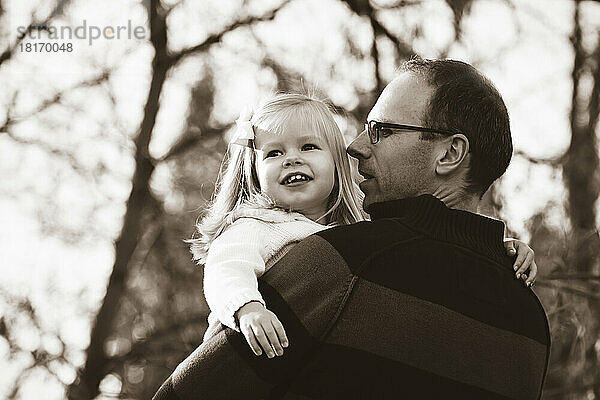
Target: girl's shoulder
(264, 228)
(268, 215)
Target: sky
(530, 63)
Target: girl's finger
(521, 256)
(526, 264)
(532, 274)
(249, 335)
(280, 332)
(263, 341)
(510, 247)
(272, 336)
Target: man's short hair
(465, 101)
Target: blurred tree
(571, 289)
(582, 179)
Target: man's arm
(306, 289)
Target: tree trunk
(581, 175)
(580, 169)
(140, 200)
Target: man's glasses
(377, 129)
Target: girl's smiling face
(295, 169)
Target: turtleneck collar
(432, 217)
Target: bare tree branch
(285, 78)
(570, 290)
(65, 155)
(567, 277)
(375, 54)
(58, 10)
(40, 357)
(540, 18)
(404, 49)
(564, 392)
(551, 161)
(459, 8)
(186, 143)
(215, 38)
(397, 4)
(11, 119)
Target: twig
(569, 390)
(11, 120)
(551, 161)
(187, 142)
(570, 290)
(7, 54)
(215, 38)
(559, 277)
(375, 53)
(397, 4)
(404, 49)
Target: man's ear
(452, 153)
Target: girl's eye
(273, 153)
(310, 146)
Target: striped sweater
(420, 302)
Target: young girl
(287, 177)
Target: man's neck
(458, 200)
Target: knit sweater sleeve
(234, 262)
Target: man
(421, 302)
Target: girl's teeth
(295, 178)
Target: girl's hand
(525, 260)
(262, 329)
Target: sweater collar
(275, 215)
(432, 217)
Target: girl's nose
(292, 160)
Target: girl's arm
(233, 264)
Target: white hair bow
(244, 134)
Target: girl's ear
(453, 152)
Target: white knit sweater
(245, 250)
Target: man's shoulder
(378, 227)
(357, 242)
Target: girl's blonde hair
(237, 185)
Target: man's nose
(360, 147)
